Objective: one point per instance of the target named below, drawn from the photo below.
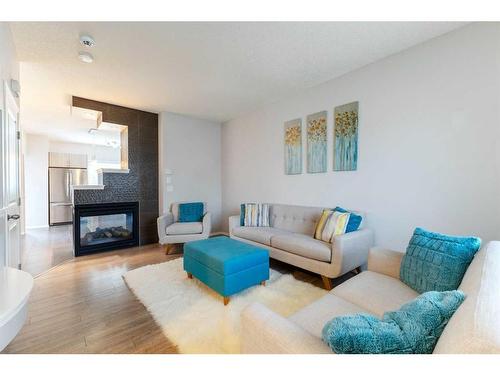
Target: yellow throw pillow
(335, 225)
(321, 223)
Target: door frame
(10, 105)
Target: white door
(10, 181)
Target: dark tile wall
(141, 184)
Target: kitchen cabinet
(64, 160)
(77, 161)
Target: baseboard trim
(37, 227)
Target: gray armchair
(171, 231)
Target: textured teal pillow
(436, 261)
(413, 329)
(190, 212)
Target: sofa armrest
(162, 223)
(207, 223)
(350, 250)
(385, 261)
(234, 222)
(265, 332)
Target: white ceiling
(214, 71)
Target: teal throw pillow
(413, 329)
(354, 220)
(435, 261)
(190, 212)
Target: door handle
(13, 217)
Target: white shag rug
(194, 317)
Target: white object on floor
(194, 317)
(15, 289)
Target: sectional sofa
(473, 328)
(289, 238)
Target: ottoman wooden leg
(226, 301)
(263, 283)
(190, 275)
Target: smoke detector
(85, 57)
(87, 41)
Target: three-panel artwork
(345, 141)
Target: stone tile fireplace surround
(140, 184)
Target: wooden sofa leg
(327, 282)
(168, 247)
(357, 270)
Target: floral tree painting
(316, 143)
(293, 147)
(345, 137)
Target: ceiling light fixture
(87, 41)
(86, 57)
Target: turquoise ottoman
(226, 265)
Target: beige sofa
(290, 239)
(474, 328)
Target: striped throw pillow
(331, 224)
(255, 215)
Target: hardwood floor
(45, 248)
(84, 306)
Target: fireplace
(106, 226)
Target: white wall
(36, 164)
(428, 141)
(190, 148)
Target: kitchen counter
(87, 187)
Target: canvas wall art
(317, 143)
(345, 137)
(293, 146)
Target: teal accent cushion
(190, 212)
(436, 261)
(413, 329)
(354, 220)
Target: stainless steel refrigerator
(60, 199)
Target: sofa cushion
(185, 228)
(303, 245)
(474, 327)
(435, 261)
(413, 329)
(375, 292)
(296, 219)
(258, 234)
(313, 317)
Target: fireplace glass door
(101, 229)
(107, 226)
